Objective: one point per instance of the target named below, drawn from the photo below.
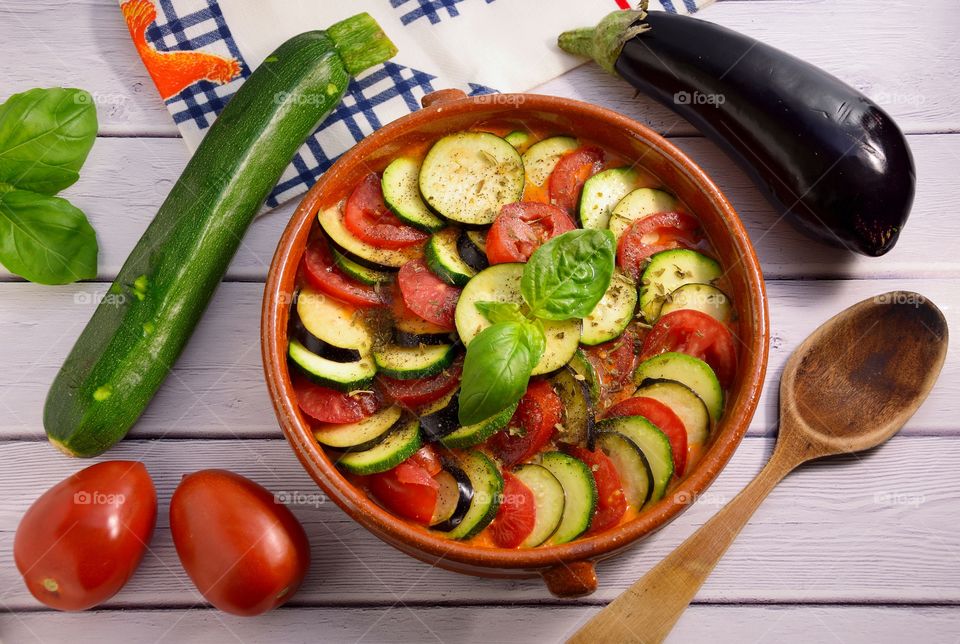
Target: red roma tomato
(408, 490)
(516, 516)
(532, 425)
(81, 541)
(570, 173)
(427, 295)
(245, 552)
(423, 391)
(614, 361)
(331, 406)
(321, 273)
(611, 503)
(659, 232)
(695, 334)
(369, 219)
(522, 228)
(664, 418)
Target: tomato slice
(522, 228)
(614, 361)
(427, 296)
(331, 406)
(663, 417)
(408, 490)
(532, 425)
(570, 173)
(659, 232)
(611, 502)
(423, 391)
(516, 516)
(695, 334)
(368, 218)
(426, 457)
(322, 274)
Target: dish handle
(442, 96)
(571, 580)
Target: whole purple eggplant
(822, 153)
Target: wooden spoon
(848, 387)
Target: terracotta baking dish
(567, 569)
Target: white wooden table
(859, 549)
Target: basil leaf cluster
(45, 137)
(565, 278)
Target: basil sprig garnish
(565, 278)
(45, 136)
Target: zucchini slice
(344, 376)
(587, 374)
(487, 484)
(692, 372)
(442, 255)
(470, 435)
(414, 362)
(360, 435)
(398, 445)
(519, 139)
(579, 493)
(331, 220)
(612, 314)
(668, 271)
(501, 283)
(359, 272)
(700, 297)
(401, 192)
(469, 176)
(548, 500)
(602, 192)
(578, 407)
(686, 404)
(632, 466)
(332, 321)
(652, 442)
(638, 204)
(540, 159)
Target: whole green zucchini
(133, 339)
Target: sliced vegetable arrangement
(512, 338)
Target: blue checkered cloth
(377, 95)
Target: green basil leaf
(501, 311)
(496, 370)
(46, 239)
(45, 136)
(567, 276)
(536, 338)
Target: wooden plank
(216, 388)
(466, 624)
(126, 180)
(876, 528)
(904, 74)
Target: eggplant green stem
(604, 42)
(361, 43)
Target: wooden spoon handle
(647, 611)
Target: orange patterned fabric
(173, 71)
